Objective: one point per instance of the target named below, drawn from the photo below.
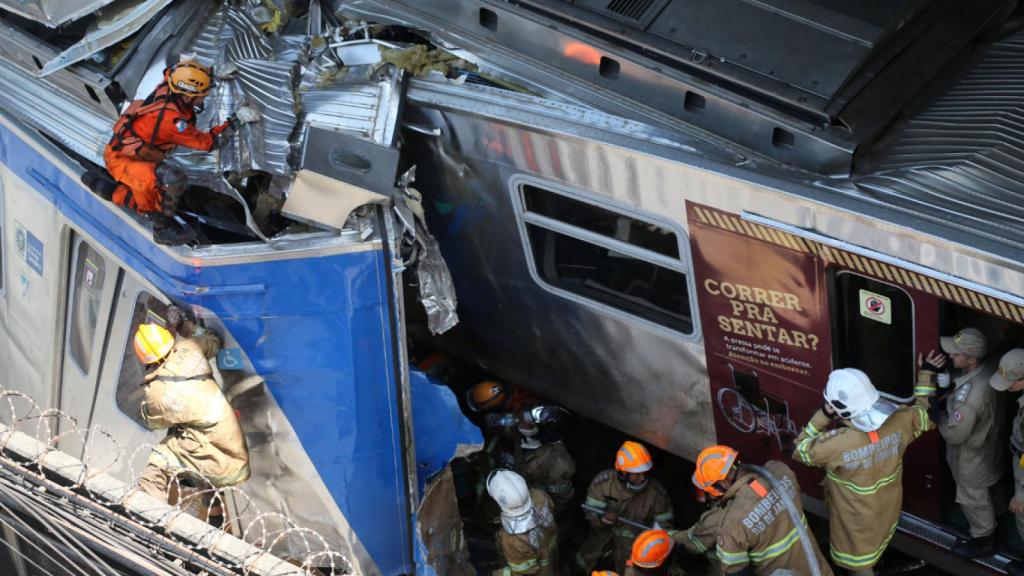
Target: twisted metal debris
(40, 479)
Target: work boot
(1015, 568)
(100, 183)
(170, 232)
(975, 547)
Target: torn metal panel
(440, 543)
(358, 162)
(53, 13)
(325, 201)
(107, 32)
(89, 89)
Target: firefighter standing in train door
(973, 427)
(528, 538)
(863, 462)
(1010, 377)
(750, 526)
(143, 136)
(204, 442)
(625, 492)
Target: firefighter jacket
(149, 129)
(550, 468)
(757, 529)
(204, 435)
(608, 493)
(972, 426)
(536, 550)
(1017, 448)
(701, 537)
(864, 479)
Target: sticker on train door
(876, 307)
(28, 247)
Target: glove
(230, 124)
(247, 115)
(926, 365)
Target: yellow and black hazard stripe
(864, 265)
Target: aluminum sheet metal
(961, 161)
(53, 13)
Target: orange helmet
(152, 343)
(651, 548)
(633, 458)
(604, 573)
(486, 395)
(189, 78)
(713, 465)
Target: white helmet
(509, 490)
(852, 395)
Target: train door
(92, 283)
(877, 326)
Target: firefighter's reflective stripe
(924, 390)
(773, 550)
(595, 503)
(520, 568)
(922, 420)
(852, 561)
(696, 541)
(801, 449)
(866, 490)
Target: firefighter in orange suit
(756, 533)
(528, 539)
(204, 442)
(863, 461)
(143, 136)
(625, 492)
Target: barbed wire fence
(84, 520)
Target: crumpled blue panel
(438, 426)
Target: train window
(873, 327)
(90, 269)
(130, 393)
(614, 259)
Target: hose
(798, 520)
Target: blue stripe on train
(316, 329)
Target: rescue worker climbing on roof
(650, 555)
(618, 497)
(143, 136)
(204, 442)
(528, 538)
(863, 462)
(750, 527)
(1010, 378)
(972, 424)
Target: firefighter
(756, 534)
(143, 136)
(528, 538)
(493, 397)
(650, 554)
(1010, 377)
(544, 460)
(863, 462)
(623, 493)
(972, 425)
(204, 442)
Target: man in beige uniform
(1010, 377)
(528, 539)
(756, 533)
(623, 492)
(973, 427)
(204, 442)
(863, 462)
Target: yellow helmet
(189, 78)
(152, 343)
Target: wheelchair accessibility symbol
(230, 359)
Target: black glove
(926, 365)
(934, 414)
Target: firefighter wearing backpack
(863, 462)
(754, 534)
(143, 136)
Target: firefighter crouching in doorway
(622, 493)
(528, 538)
(204, 442)
(753, 531)
(1010, 377)
(972, 425)
(143, 136)
(863, 462)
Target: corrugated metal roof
(961, 161)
